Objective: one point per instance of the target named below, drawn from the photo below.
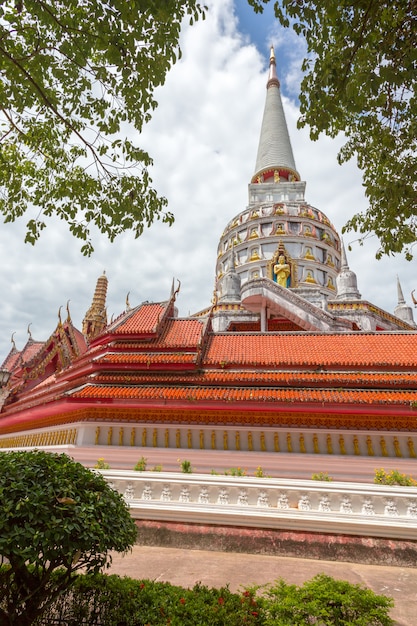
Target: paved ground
(214, 569)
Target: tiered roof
(148, 360)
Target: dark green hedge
(109, 600)
(101, 600)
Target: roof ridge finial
(272, 76)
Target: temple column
(263, 318)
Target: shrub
(324, 600)
(100, 600)
(185, 466)
(394, 477)
(235, 471)
(322, 476)
(260, 473)
(141, 464)
(101, 464)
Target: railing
(302, 505)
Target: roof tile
(311, 350)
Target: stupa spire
(346, 281)
(402, 310)
(401, 299)
(96, 317)
(275, 159)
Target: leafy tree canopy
(360, 79)
(72, 75)
(55, 513)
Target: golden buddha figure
(310, 278)
(255, 255)
(280, 229)
(282, 271)
(276, 176)
(309, 254)
(330, 284)
(254, 234)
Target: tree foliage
(360, 79)
(73, 75)
(55, 514)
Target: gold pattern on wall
(250, 441)
(322, 420)
(383, 444)
(276, 442)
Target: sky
(203, 138)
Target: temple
(288, 358)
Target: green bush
(141, 464)
(101, 464)
(394, 477)
(111, 600)
(100, 600)
(322, 476)
(325, 601)
(235, 471)
(185, 466)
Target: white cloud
(203, 138)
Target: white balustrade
(301, 505)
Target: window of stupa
(294, 227)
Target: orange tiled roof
(392, 350)
(146, 358)
(182, 333)
(268, 378)
(142, 320)
(246, 394)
